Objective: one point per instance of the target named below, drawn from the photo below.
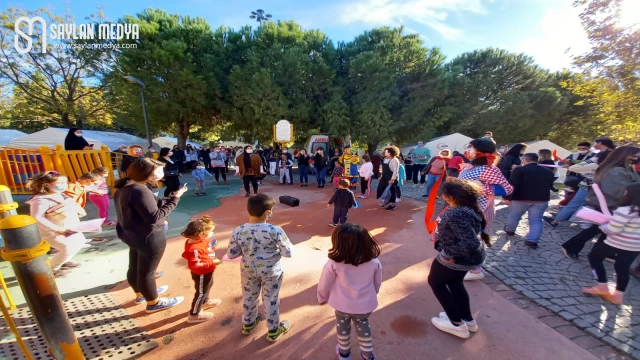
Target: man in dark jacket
(204, 156)
(531, 186)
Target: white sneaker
(471, 325)
(446, 326)
(398, 200)
(474, 276)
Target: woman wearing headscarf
(75, 141)
(249, 167)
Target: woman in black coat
(172, 173)
(75, 141)
(511, 159)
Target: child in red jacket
(202, 261)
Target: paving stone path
(548, 285)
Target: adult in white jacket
(366, 174)
(57, 216)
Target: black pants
(340, 215)
(226, 165)
(250, 179)
(448, 287)
(624, 259)
(364, 185)
(144, 258)
(203, 285)
(409, 170)
(172, 184)
(452, 172)
(576, 243)
(417, 170)
(382, 185)
(217, 171)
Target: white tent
(48, 137)
(7, 135)
(537, 145)
(114, 139)
(453, 142)
(166, 141)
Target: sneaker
(301, 185)
(164, 304)
(571, 256)
(211, 303)
(247, 329)
(203, 193)
(390, 207)
(159, 274)
(196, 194)
(615, 297)
(61, 273)
(531, 244)
(226, 183)
(201, 317)
(600, 289)
(398, 200)
(70, 265)
(474, 275)
(509, 233)
(217, 182)
(471, 325)
(549, 220)
(161, 290)
(273, 336)
(247, 194)
(446, 326)
(425, 196)
(333, 225)
(340, 357)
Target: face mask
(420, 145)
(137, 152)
(285, 151)
(78, 134)
(198, 167)
(152, 150)
(59, 187)
(249, 151)
(170, 153)
(583, 152)
(216, 151)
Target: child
(99, 195)
(57, 215)
(353, 264)
(366, 173)
(459, 251)
(284, 164)
(201, 260)
(77, 190)
(622, 244)
(343, 199)
(336, 175)
(261, 246)
(199, 175)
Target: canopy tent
(49, 137)
(114, 139)
(537, 145)
(166, 141)
(452, 142)
(7, 135)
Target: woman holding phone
(172, 173)
(141, 221)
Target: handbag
(594, 216)
(386, 196)
(171, 173)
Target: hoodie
(200, 256)
(54, 212)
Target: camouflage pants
(254, 279)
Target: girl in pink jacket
(350, 283)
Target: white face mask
(583, 152)
(249, 151)
(59, 187)
(285, 151)
(152, 150)
(198, 167)
(170, 153)
(78, 134)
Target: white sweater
(366, 170)
(623, 231)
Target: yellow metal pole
(14, 329)
(12, 305)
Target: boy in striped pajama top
(201, 260)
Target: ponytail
(120, 183)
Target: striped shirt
(623, 231)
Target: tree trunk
(372, 147)
(66, 122)
(182, 133)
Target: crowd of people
(603, 178)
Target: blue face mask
(420, 145)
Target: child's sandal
(247, 329)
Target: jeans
(304, 174)
(417, 169)
(144, 258)
(321, 173)
(535, 211)
(579, 200)
(199, 183)
(340, 215)
(448, 287)
(250, 179)
(624, 258)
(431, 180)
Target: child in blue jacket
(199, 175)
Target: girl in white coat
(57, 215)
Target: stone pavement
(546, 278)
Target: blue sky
(548, 30)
